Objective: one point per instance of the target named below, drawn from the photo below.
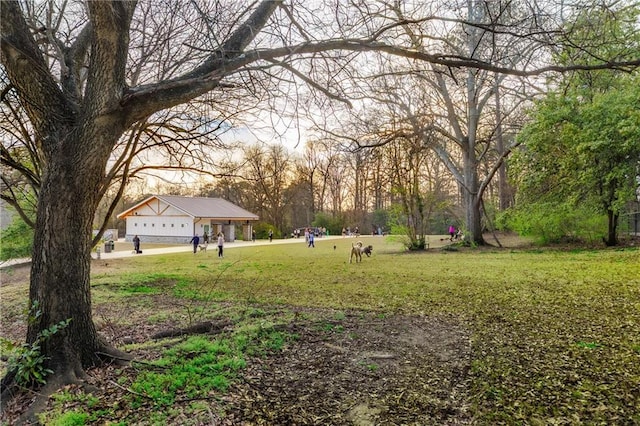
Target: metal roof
(199, 207)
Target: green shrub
(59, 412)
(27, 359)
(549, 223)
(262, 230)
(17, 240)
(409, 241)
(333, 224)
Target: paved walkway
(122, 249)
(189, 247)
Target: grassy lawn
(554, 335)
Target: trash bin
(108, 246)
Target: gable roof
(198, 207)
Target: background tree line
(318, 186)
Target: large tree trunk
(472, 202)
(472, 195)
(60, 271)
(61, 259)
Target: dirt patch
(360, 370)
(18, 274)
(353, 368)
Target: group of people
(317, 232)
(205, 240)
(346, 232)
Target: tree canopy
(584, 151)
(581, 146)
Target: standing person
(195, 240)
(270, 235)
(220, 244)
(205, 237)
(136, 244)
(452, 232)
(311, 237)
(253, 235)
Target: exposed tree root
(55, 382)
(110, 354)
(9, 389)
(207, 327)
(71, 374)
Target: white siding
(158, 219)
(172, 226)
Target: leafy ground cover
(285, 334)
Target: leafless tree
(163, 141)
(269, 170)
(19, 161)
(457, 103)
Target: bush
(27, 360)
(262, 230)
(410, 242)
(549, 223)
(72, 418)
(17, 240)
(324, 220)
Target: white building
(175, 219)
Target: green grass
(555, 333)
(189, 371)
